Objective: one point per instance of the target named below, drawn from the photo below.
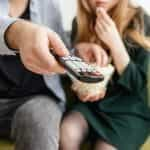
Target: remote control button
(78, 59)
(83, 69)
(66, 58)
(72, 65)
(81, 64)
(77, 64)
(72, 58)
(78, 70)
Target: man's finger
(47, 60)
(55, 66)
(57, 44)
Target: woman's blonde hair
(129, 22)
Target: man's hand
(33, 43)
(92, 53)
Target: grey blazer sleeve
(4, 7)
(5, 22)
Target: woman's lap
(124, 131)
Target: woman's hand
(33, 43)
(88, 96)
(92, 53)
(106, 29)
(91, 97)
(107, 32)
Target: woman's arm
(131, 69)
(107, 32)
(135, 75)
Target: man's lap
(9, 108)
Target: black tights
(74, 130)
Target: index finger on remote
(47, 60)
(55, 66)
(57, 44)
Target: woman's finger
(101, 17)
(93, 98)
(86, 56)
(103, 26)
(105, 16)
(99, 31)
(100, 26)
(83, 98)
(74, 87)
(100, 55)
(96, 98)
(103, 93)
(97, 56)
(102, 20)
(105, 59)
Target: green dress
(122, 118)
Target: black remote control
(79, 69)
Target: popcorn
(94, 88)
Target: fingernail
(65, 52)
(64, 72)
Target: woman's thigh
(75, 128)
(103, 145)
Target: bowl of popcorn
(94, 88)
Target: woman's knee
(74, 128)
(102, 145)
